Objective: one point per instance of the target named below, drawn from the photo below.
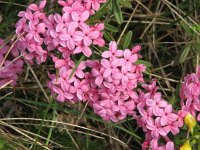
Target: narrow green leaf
(110, 28)
(184, 54)
(125, 3)
(2, 143)
(186, 28)
(146, 63)
(108, 37)
(76, 66)
(117, 11)
(94, 117)
(127, 39)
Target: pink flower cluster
(114, 78)
(69, 87)
(157, 118)
(109, 86)
(68, 32)
(30, 30)
(190, 94)
(10, 66)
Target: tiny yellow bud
(186, 146)
(190, 122)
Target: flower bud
(190, 122)
(186, 146)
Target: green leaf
(108, 37)
(146, 63)
(117, 11)
(110, 28)
(2, 143)
(76, 66)
(96, 118)
(184, 54)
(125, 3)
(186, 28)
(127, 39)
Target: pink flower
(155, 128)
(31, 29)
(80, 19)
(173, 127)
(168, 146)
(65, 3)
(128, 59)
(113, 52)
(95, 3)
(82, 48)
(99, 40)
(110, 67)
(10, 68)
(125, 76)
(35, 7)
(81, 88)
(190, 92)
(99, 76)
(167, 115)
(88, 35)
(156, 117)
(155, 103)
(75, 7)
(114, 86)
